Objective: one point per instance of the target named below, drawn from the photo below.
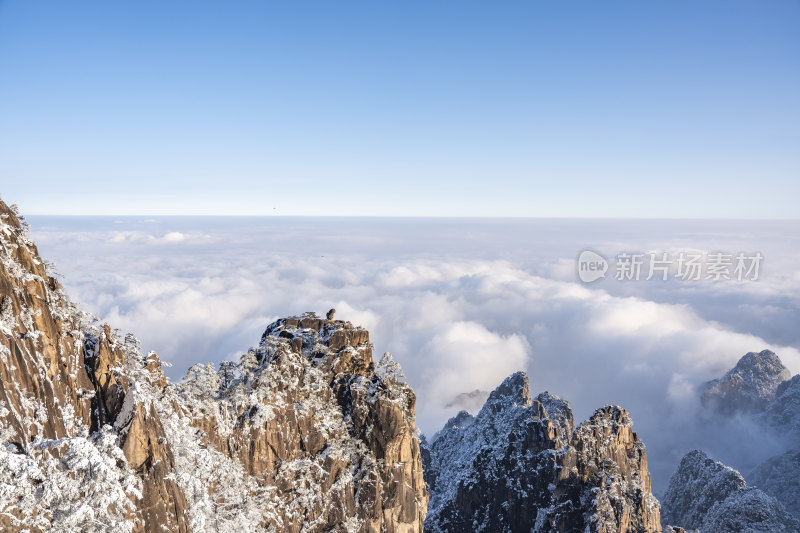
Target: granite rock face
(520, 465)
(308, 415)
(305, 433)
(707, 495)
(76, 451)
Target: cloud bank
(460, 304)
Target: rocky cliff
(520, 465)
(305, 433)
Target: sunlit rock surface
(305, 433)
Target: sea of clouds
(460, 303)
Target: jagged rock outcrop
(749, 386)
(308, 413)
(603, 473)
(305, 433)
(65, 384)
(484, 470)
(519, 465)
(707, 495)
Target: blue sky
(598, 109)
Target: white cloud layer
(460, 304)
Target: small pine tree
(227, 374)
(389, 369)
(132, 342)
(249, 366)
(202, 380)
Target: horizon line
(488, 217)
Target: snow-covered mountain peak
(748, 386)
(514, 391)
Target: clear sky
(663, 109)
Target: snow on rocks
(304, 433)
(707, 495)
(748, 386)
(519, 465)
